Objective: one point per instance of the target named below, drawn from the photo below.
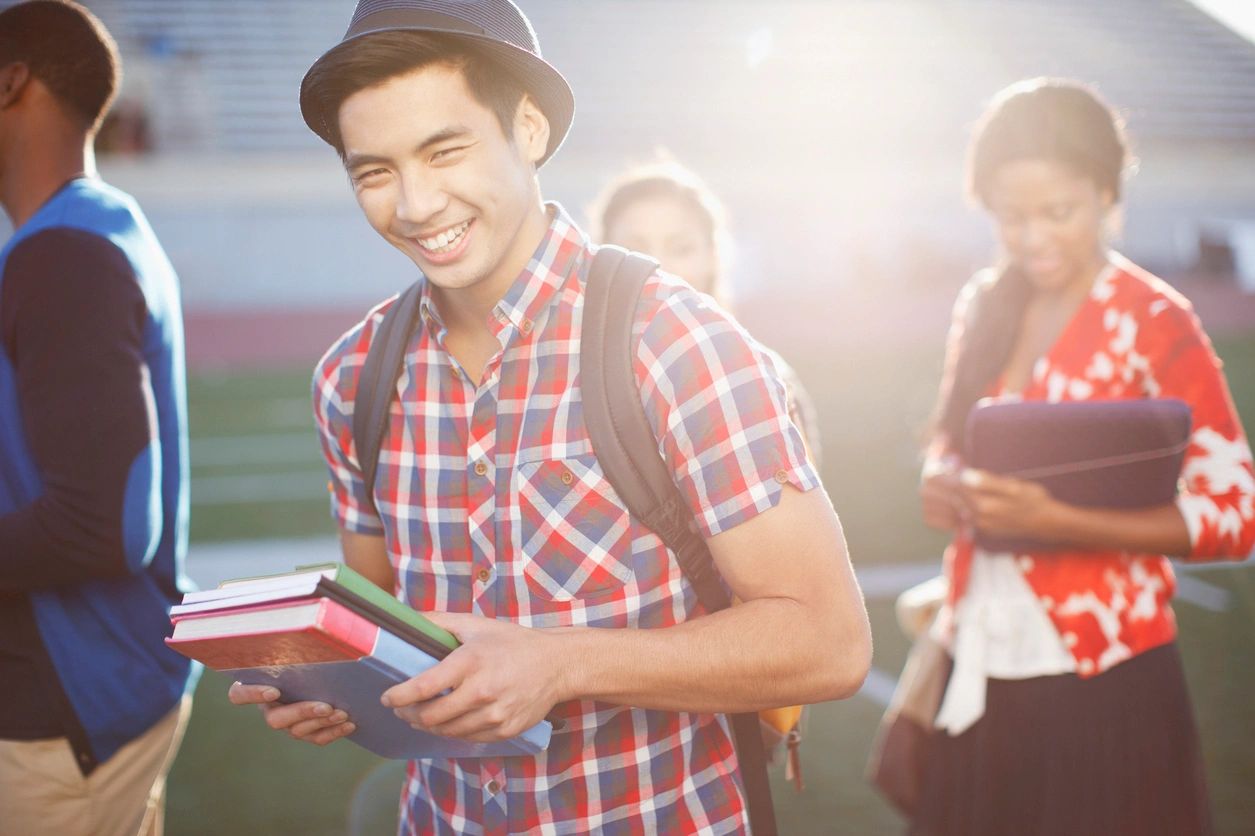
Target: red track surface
(236, 341)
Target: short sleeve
(334, 389)
(717, 403)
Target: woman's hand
(1005, 507)
(940, 496)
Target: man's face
(441, 182)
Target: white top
(1001, 631)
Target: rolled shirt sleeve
(334, 389)
(718, 404)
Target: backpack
(626, 449)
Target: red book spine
(337, 634)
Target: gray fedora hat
(497, 27)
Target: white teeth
(444, 240)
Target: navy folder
(1108, 454)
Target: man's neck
(37, 166)
(468, 309)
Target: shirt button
(481, 467)
(526, 327)
(782, 476)
(567, 477)
(484, 575)
(493, 787)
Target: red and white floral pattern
(1136, 337)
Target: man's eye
(447, 153)
(365, 175)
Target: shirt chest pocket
(574, 535)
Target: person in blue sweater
(93, 454)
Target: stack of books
(326, 633)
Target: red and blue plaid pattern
(491, 501)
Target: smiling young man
(489, 509)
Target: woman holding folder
(1065, 709)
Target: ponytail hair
(988, 323)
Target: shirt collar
(555, 260)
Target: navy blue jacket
(93, 493)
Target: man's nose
(421, 198)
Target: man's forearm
(759, 654)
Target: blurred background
(834, 131)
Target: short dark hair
(68, 49)
(372, 59)
(1053, 119)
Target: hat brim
(542, 82)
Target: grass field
(257, 473)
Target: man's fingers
(428, 684)
(330, 735)
(457, 623)
(465, 699)
(481, 726)
(305, 729)
(242, 694)
(286, 716)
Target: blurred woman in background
(1065, 710)
(665, 211)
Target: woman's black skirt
(1064, 756)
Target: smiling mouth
(445, 242)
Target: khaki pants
(43, 792)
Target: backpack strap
(627, 451)
(377, 382)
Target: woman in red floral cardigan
(1066, 710)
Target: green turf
(235, 776)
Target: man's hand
(315, 722)
(1006, 507)
(502, 680)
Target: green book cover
(358, 585)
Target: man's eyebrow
(354, 159)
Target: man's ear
(531, 130)
(13, 80)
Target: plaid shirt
(491, 501)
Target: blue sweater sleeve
(72, 319)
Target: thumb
(459, 624)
